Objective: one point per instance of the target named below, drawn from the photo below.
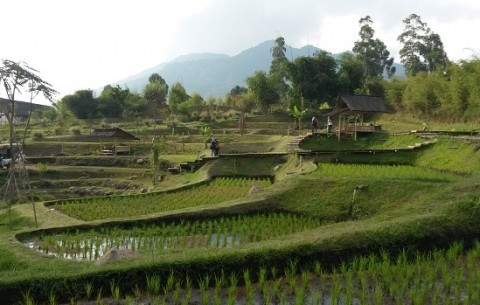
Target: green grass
(419, 206)
(217, 191)
(363, 142)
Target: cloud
(88, 44)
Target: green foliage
(155, 94)
(350, 72)
(177, 96)
(75, 130)
(8, 260)
(278, 67)
(82, 104)
(372, 53)
(37, 136)
(41, 167)
(314, 78)
(263, 90)
(422, 49)
(112, 101)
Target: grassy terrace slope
(357, 205)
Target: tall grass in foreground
(450, 276)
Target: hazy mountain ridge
(212, 74)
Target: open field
(333, 228)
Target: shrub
(37, 136)
(75, 130)
(41, 167)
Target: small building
(118, 139)
(351, 110)
(22, 110)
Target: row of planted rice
(439, 277)
(221, 232)
(219, 190)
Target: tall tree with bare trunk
(17, 78)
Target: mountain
(214, 75)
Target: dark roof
(359, 104)
(22, 109)
(113, 133)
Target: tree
(135, 106)
(420, 94)
(82, 104)
(350, 73)
(313, 78)
(112, 101)
(155, 77)
(422, 49)
(278, 70)
(242, 101)
(15, 77)
(237, 90)
(299, 114)
(176, 96)
(263, 90)
(155, 94)
(372, 52)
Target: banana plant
(299, 115)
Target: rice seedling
(88, 290)
(128, 300)
(378, 294)
(153, 285)
(349, 287)
(336, 289)
(170, 283)
(115, 291)
(249, 289)
(203, 286)
(232, 288)
(176, 293)
(99, 296)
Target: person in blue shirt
(214, 146)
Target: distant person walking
(214, 146)
(329, 126)
(314, 124)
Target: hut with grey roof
(351, 110)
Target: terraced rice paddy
(223, 232)
(219, 190)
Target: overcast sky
(87, 44)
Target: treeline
(434, 87)
(449, 94)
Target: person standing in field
(329, 126)
(314, 124)
(214, 146)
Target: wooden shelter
(351, 109)
(22, 109)
(114, 135)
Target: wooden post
(355, 126)
(339, 126)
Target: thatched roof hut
(356, 106)
(113, 134)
